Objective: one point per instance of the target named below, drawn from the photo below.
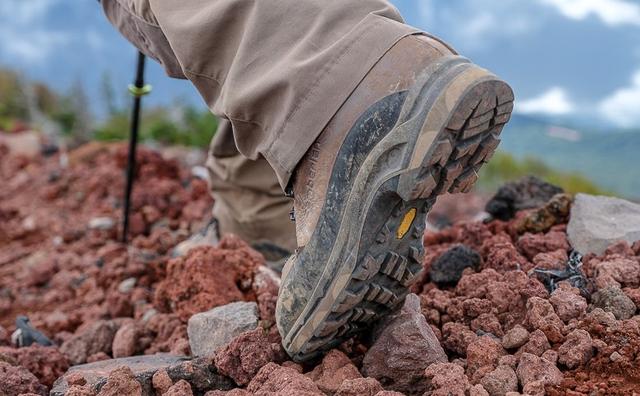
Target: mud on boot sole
(448, 127)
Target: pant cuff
(370, 40)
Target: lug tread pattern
(381, 281)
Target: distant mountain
(611, 159)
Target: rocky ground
(504, 306)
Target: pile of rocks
(504, 307)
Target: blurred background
(574, 65)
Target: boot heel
(460, 133)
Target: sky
(576, 60)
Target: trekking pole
(138, 89)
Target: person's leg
(248, 202)
(248, 199)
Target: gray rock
(212, 330)
(127, 285)
(150, 313)
(597, 222)
(447, 269)
(200, 373)
(612, 299)
(102, 223)
(404, 347)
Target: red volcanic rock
(555, 260)
(77, 390)
(537, 345)
(532, 369)
(500, 381)
(333, 371)
(246, 354)
(96, 337)
(273, 379)
(166, 330)
(622, 248)
(533, 288)
(180, 388)
(405, 346)
(457, 337)
(16, 380)
(615, 270)
(206, 278)
(446, 379)
(161, 381)
(532, 244)
(46, 363)
(359, 387)
(550, 356)
(473, 234)
(266, 284)
(504, 296)
(568, 303)
(436, 299)
(121, 381)
(484, 351)
(125, 341)
(540, 315)
(232, 392)
(508, 360)
(577, 349)
(515, 338)
(475, 284)
(97, 357)
(475, 307)
(4, 336)
(487, 323)
(633, 294)
(68, 277)
(503, 256)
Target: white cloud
(23, 36)
(472, 25)
(554, 101)
(611, 12)
(33, 46)
(24, 11)
(622, 107)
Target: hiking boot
(420, 124)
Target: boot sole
(449, 126)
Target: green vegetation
(34, 105)
(504, 167)
(24, 103)
(188, 127)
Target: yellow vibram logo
(406, 223)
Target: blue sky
(575, 60)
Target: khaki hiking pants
(275, 72)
